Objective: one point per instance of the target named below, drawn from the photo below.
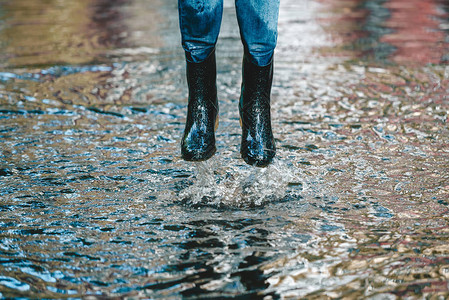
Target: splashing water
(239, 186)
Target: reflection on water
(59, 32)
(96, 201)
(412, 42)
(408, 32)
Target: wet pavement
(95, 200)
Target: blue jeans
(200, 22)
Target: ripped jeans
(200, 22)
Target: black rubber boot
(257, 147)
(198, 143)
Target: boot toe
(198, 146)
(256, 155)
(258, 160)
(198, 153)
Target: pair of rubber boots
(198, 143)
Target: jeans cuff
(260, 59)
(199, 55)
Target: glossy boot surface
(198, 142)
(257, 147)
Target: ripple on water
(95, 201)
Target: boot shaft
(257, 146)
(198, 142)
(256, 83)
(201, 79)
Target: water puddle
(96, 202)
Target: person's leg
(258, 20)
(200, 24)
(258, 28)
(199, 21)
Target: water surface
(95, 199)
